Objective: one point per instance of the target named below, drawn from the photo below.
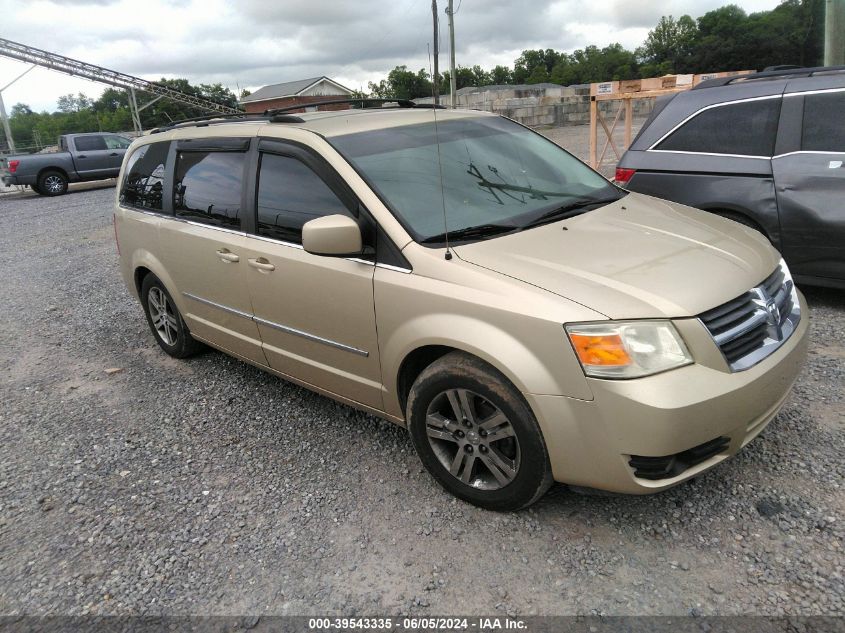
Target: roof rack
(780, 73)
(198, 120)
(277, 115)
(400, 103)
(783, 67)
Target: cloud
(250, 43)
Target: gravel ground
(206, 486)
(576, 139)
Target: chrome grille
(755, 324)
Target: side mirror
(332, 235)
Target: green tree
(402, 83)
(525, 64)
(475, 76)
(20, 109)
(723, 42)
(791, 33)
(480, 77)
(111, 100)
(501, 75)
(74, 103)
(723, 39)
(538, 75)
(108, 113)
(670, 45)
(593, 64)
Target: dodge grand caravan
(459, 274)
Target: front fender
(503, 350)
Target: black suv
(766, 150)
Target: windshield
(497, 176)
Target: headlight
(627, 349)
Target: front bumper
(590, 443)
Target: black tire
(52, 183)
(486, 388)
(173, 337)
(35, 188)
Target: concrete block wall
(541, 106)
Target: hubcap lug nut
(468, 448)
(459, 433)
(482, 432)
(482, 448)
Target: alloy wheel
(163, 316)
(473, 439)
(53, 184)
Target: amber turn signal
(600, 350)
(627, 349)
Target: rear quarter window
(143, 177)
(745, 129)
(822, 129)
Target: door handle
(82, 156)
(262, 264)
(227, 256)
(114, 154)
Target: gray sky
(251, 43)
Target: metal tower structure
(131, 84)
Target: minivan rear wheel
(476, 435)
(165, 320)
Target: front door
(116, 146)
(315, 314)
(92, 158)
(810, 186)
(205, 250)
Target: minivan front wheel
(165, 321)
(476, 435)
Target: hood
(639, 257)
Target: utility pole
(436, 46)
(452, 90)
(834, 33)
(6, 129)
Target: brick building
(304, 91)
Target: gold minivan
(460, 275)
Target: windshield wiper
(569, 210)
(471, 232)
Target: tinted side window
(208, 187)
(89, 143)
(143, 177)
(117, 142)
(747, 129)
(822, 130)
(290, 194)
